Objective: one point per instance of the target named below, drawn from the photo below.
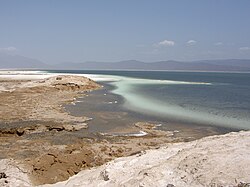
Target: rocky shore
(38, 138)
(41, 144)
(29, 100)
(220, 160)
(212, 161)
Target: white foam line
(141, 133)
(153, 81)
(158, 125)
(79, 101)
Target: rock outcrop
(29, 100)
(221, 160)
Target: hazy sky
(111, 30)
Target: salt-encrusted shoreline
(38, 133)
(13, 174)
(23, 99)
(196, 163)
(221, 160)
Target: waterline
(142, 103)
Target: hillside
(205, 65)
(8, 61)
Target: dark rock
(105, 175)
(170, 185)
(20, 132)
(3, 175)
(242, 184)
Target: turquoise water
(218, 99)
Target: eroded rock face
(50, 160)
(35, 101)
(52, 166)
(212, 161)
(69, 83)
(43, 99)
(38, 132)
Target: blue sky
(149, 30)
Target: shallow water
(217, 99)
(194, 102)
(110, 116)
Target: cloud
(165, 43)
(244, 48)
(8, 49)
(218, 43)
(191, 42)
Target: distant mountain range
(203, 65)
(8, 61)
(20, 62)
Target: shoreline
(45, 143)
(46, 148)
(107, 107)
(176, 164)
(210, 161)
